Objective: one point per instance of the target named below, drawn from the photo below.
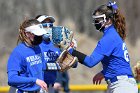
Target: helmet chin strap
(101, 27)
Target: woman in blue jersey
(24, 67)
(111, 51)
(50, 52)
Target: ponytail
(120, 24)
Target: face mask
(48, 34)
(46, 37)
(99, 26)
(37, 40)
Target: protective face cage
(99, 19)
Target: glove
(136, 71)
(61, 37)
(66, 61)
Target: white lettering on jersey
(36, 59)
(126, 56)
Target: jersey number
(126, 56)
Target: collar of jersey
(106, 29)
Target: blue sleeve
(93, 59)
(105, 46)
(88, 61)
(15, 80)
(70, 50)
(14, 62)
(13, 69)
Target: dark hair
(117, 18)
(22, 36)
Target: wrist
(34, 80)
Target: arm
(88, 61)
(16, 80)
(25, 83)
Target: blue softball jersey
(112, 52)
(50, 55)
(24, 67)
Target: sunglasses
(47, 24)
